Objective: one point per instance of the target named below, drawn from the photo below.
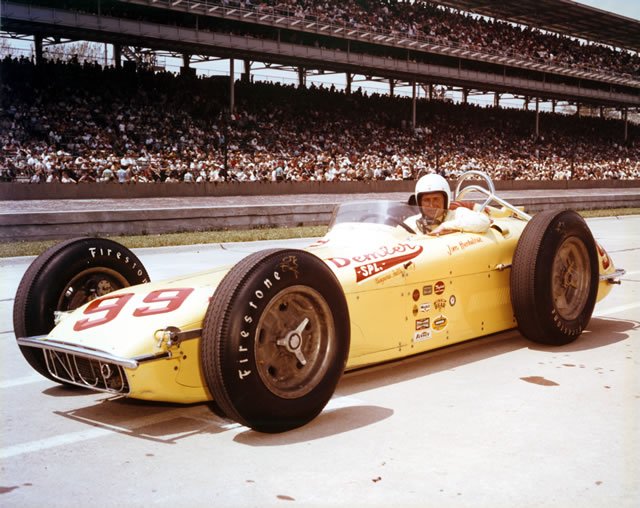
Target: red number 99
(172, 299)
(110, 306)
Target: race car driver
(438, 215)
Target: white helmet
(433, 183)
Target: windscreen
(390, 213)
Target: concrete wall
(59, 223)
(16, 191)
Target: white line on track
(19, 381)
(136, 423)
(92, 433)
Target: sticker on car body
(378, 261)
(440, 323)
(422, 336)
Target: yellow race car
(266, 340)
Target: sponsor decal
(438, 287)
(423, 324)
(396, 272)
(440, 323)
(425, 307)
(427, 290)
(606, 260)
(440, 304)
(463, 244)
(416, 295)
(422, 336)
(452, 300)
(378, 261)
(290, 264)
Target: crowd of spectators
(451, 27)
(72, 122)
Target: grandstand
(73, 122)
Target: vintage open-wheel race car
(265, 341)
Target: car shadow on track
(330, 422)
(169, 423)
(602, 332)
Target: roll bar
(489, 191)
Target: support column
(537, 117)
(465, 95)
(117, 56)
(232, 86)
(496, 100)
(577, 109)
(37, 42)
(526, 103)
(413, 106)
(601, 111)
(553, 105)
(186, 60)
(302, 77)
(625, 116)
(392, 85)
(246, 77)
(349, 81)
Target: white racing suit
(460, 219)
(463, 219)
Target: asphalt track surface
(599, 195)
(496, 422)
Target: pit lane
(495, 422)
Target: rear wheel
(554, 277)
(65, 277)
(275, 340)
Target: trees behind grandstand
(81, 51)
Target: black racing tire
(275, 340)
(554, 277)
(65, 277)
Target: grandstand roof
(563, 16)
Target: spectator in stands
(108, 175)
(122, 175)
(349, 137)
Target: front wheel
(554, 277)
(275, 340)
(65, 277)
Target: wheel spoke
(302, 326)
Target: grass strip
(33, 248)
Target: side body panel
(420, 293)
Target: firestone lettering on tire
(118, 255)
(263, 290)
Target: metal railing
(285, 18)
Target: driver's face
(432, 200)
